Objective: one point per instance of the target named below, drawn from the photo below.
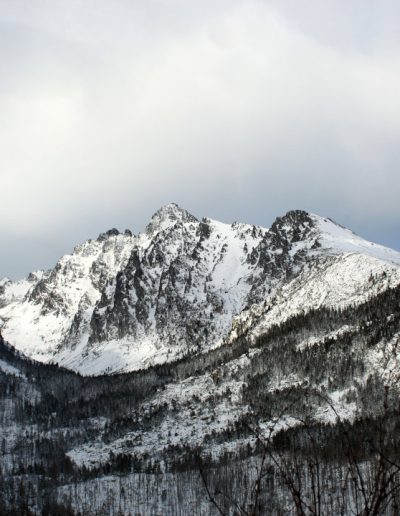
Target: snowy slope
(337, 239)
(336, 281)
(11, 292)
(40, 312)
(124, 302)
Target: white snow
(339, 240)
(334, 334)
(9, 369)
(336, 408)
(385, 360)
(15, 291)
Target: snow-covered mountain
(290, 337)
(123, 302)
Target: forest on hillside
(290, 449)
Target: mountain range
(124, 302)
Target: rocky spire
(166, 216)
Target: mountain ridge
(124, 301)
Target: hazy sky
(237, 110)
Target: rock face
(123, 302)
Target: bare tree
(357, 485)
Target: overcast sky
(236, 110)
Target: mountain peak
(167, 215)
(294, 218)
(294, 226)
(109, 233)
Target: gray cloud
(238, 111)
